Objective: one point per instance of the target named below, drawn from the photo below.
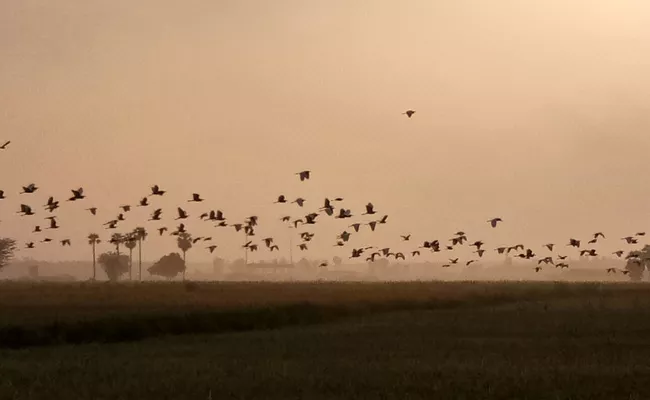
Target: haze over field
(535, 112)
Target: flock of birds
(330, 208)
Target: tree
(7, 248)
(184, 244)
(117, 239)
(168, 266)
(638, 262)
(130, 242)
(114, 265)
(141, 235)
(93, 240)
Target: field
(463, 340)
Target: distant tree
(184, 244)
(140, 235)
(117, 239)
(93, 241)
(7, 249)
(638, 261)
(168, 266)
(130, 242)
(114, 265)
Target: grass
(540, 341)
(33, 314)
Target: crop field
(461, 340)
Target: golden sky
(534, 111)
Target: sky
(535, 112)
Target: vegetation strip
(137, 327)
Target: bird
(478, 244)
(155, 191)
(611, 270)
(640, 234)
(66, 242)
(406, 237)
(53, 223)
(304, 175)
(618, 253)
(630, 240)
(144, 202)
(500, 250)
(408, 113)
(212, 248)
(268, 241)
(126, 208)
(155, 216)
(195, 198)
(77, 194)
(120, 217)
(51, 204)
(493, 222)
(562, 257)
(4, 146)
(415, 253)
(537, 269)
(300, 201)
(25, 210)
(162, 230)
(37, 229)
(286, 218)
(29, 245)
(372, 225)
(549, 246)
(182, 214)
(31, 188)
(2, 195)
(281, 199)
(469, 262)
(599, 234)
(355, 227)
(93, 210)
(322, 265)
(453, 260)
(302, 246)
(480, 252)
(369, 209)
(574, 243)
(274, 247)
(383, 219)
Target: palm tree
(184, 244)
(117, 239)
(93, 240)
(140, 234)
(130, 242)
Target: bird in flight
(370, 209)
(195, 198)
(493, 222)
(281, 199)
(4, 146)
(77, 195)
(408, 113)
(31, 188)
(406, 237)
(155, 191)
(93, 210)
(304, 175)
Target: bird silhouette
(369, 209)
(549, 246)
(2, 195)
(77, 194)
(212, 248)
(618, 253)
(51, 204)
(574, 243)
(126, 208)
(406, 237)
(630, 240)
(304, 175)
(93, 210)
(408, 113)
(31, 188)
(162, 230)
(144, 202)
(196, 198)
(493, 222)
(25, 210)
(281, 199)
(155, 191)
(355, 227)
(4, 146)
(300, 201)
(182, 214)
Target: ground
(553, 342)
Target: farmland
(329, 340)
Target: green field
(329, 340)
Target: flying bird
(195, 198)
(408, 113)
(304, 175)
(4, 146)
(155, 191)
(493, 222)
(31, 188)
(77, 194)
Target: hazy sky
(537, 112)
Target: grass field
(397, 341)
